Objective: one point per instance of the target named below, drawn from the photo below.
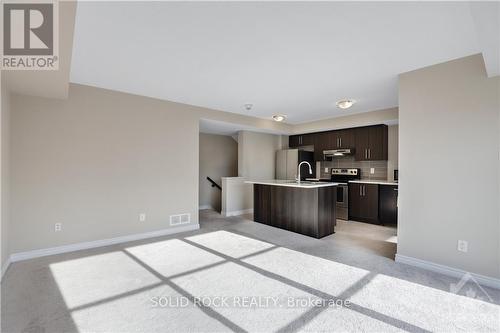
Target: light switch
(372, 170)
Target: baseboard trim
(5, 267)
(99, 243)
(446, 270)
(238, 212)
(203, 207)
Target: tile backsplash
(349, 162)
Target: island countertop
(373, 181)
(292, 183)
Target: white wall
(95, 161)
(449, 166)
(218, 158)
(237, 196)
(257, 155)
(4, 167)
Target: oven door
(342, 195)
(342, 203)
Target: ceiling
(293, 58)
(209, 126)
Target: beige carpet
(237, 275)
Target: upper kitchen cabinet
(323, 141)
(295, 141)
(371, 143)
(307, 139)
(343, 139)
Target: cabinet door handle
(364, 190)
(366, 153)
(340, 142)
(369, 153)
(360, 190)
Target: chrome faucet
(310, 170)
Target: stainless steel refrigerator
(287, 161)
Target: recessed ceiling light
(345, 103)
(279, 117)
(248, 106)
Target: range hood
(329, 154)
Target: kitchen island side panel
(308, 211)
(327, 211)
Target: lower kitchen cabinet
(388, 204)
(373, 203)
(363, 202)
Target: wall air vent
(180, 219)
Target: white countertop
(374, 181)
(292, 183)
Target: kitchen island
(307, 208)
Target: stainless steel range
(342, 176)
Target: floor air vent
(180, 219)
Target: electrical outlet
(142, 217)
(326, 170)
(57, 227)
(462, 246)
(372, 170)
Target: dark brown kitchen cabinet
(307, 139)
(262, 203)
(363, 202)
(388, 204)
(322, 141)
(343, 139)
(294, 141)
(355, 202)
(362, 142)
(371, 143)
(300, 140)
